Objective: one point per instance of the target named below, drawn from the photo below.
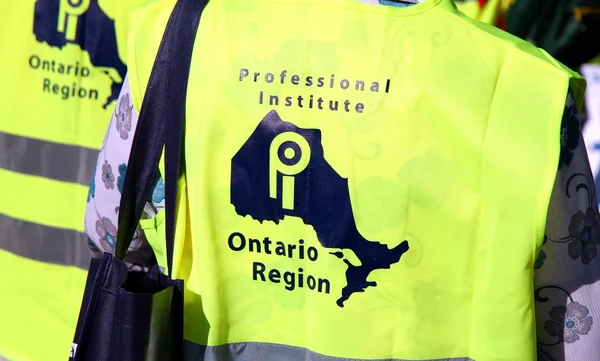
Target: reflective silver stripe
(43, 243)
(253, 351)
(62, 162)
(3, 359)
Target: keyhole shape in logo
(281, 171)
(289, 156)
(68, 13)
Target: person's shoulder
(154, 3)
(148, 23)
(153, 9)
(502, 51)
(498, 42)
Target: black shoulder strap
(161, 122)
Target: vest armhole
(549, 179)
(578, 85)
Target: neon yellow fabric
(488, 14)
(469, 8)
(154, 228)
(39, 305)
(58, 88)
(149, 227)
(419, 205)
(41, 110)
(33, 204)
(69, 121)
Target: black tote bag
(138, 316)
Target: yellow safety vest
(363, 182)
(488, 14)
(470, 8)
(63, 64)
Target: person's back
(352, 184)
(63, 64)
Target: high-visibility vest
(490, 12)
(63, 64)
(362, 182)
(471, 8)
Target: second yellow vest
(63, 64)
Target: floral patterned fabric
(107, 184)
(567, 279)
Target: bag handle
(161, 122)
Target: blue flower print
(159, 191)
(570, 133)
(539, 262)
(107, 232)
(569, 323)
(92, 188)
(123, 115)
(121, 179)
(107, 176)
(584, 232)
